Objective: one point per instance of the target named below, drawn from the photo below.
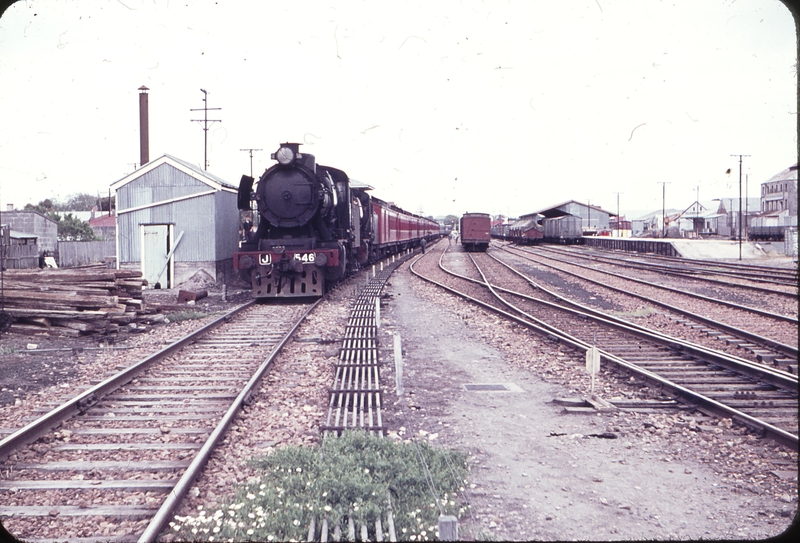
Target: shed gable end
(162, 183)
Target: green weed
(352, 476)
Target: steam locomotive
(316, 227)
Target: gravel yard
(536, 473)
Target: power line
(205, 120)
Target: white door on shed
(155, 250)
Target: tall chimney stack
(144, 127)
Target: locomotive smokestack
(144, 127)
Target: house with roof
(104, 225)
(701, 219)
(174, 219)
(655, 224)
(729, 226)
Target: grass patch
(189, 314)
(351, 476)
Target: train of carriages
(316, 227)
(536, 228)
(477, 231)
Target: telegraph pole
(205, 120)
(663, 208)
(740, 204)
(251, 158)
(619, 222)
(746, 207)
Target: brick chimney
(144, 127)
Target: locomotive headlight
(284, 156)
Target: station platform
(697, 249)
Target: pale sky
(444, 107)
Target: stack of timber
(72, 301)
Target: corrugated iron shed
(182, 198)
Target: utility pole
(619, 222)
(697, 212)
(205, 120)
(663, 208)
(746, 206)
(251, 158)
(740, 204)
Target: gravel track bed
(712, 479)
(637, 311)
(738, 486)
(780, 331)
(70, 431)
(743, 296)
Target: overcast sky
(444, 107)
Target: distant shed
(45, 230)
(175, 219)
(18, 250)
(593, 217)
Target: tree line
(70, 227)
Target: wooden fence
(80, 253)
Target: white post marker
(592, 363)
(377, 312)
(398, 364)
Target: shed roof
(16, 234)
(552, 211)
(190, 169)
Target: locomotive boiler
(316, 227)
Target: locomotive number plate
(264, 259)
(305, 257)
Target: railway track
(716, 383)
(740, 275)
(765, 336)
(114, 461)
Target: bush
(352, 476)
